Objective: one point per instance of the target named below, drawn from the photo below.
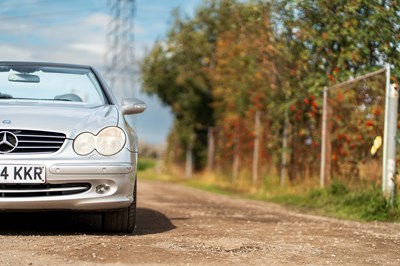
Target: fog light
(103, 189)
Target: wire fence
(261, 145)
(355, 127)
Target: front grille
(42, 190)
(34, 141)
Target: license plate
(22, 174)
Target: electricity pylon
(120, 57)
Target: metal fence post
(189, 158)
(385, 132)
(284, 149)
(210, 148)
(323, 137)
(256, 147)
(391, 143)
(236, 159)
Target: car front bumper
(119, 178)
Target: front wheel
(123, 220)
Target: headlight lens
(85, 143)
(110, 141)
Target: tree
(329, 42)
(177, 71)
(234, 58)
(245, 80)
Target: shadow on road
(148, 221)
(152, 222)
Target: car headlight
(108, 141)
(85, 143)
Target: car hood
(67, 118)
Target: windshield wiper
(5, 96)
(59, 99)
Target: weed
(145, 163)
(338, 188)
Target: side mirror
(130, 106)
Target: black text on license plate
(22, 174)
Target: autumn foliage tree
(245, 80)
(215, 71)
(235, 58)
(329, 42)
(177, 72)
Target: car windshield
(44, 83)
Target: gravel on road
(177, 225)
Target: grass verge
(338, 200)
(367, 204)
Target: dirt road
(183, 226)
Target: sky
(74, 31)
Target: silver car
(64, 143)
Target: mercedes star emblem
(8, 142)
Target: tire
(123, 220)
